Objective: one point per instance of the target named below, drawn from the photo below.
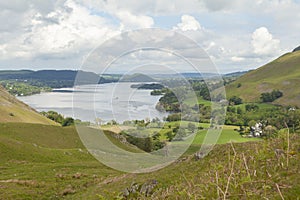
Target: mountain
(54, 78)
(13, 110)
(236, 74)
(281, 74)
(296, 49)
(194, 75)
(137, 78)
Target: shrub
(235, 100)
(271, 96)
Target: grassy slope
(40, 161)
(13, 110)
(282, 73)
(44, 162)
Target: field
(50, 162)
(228, 133)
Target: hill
(137, 77)
(296, 49)
(281, 74)
(53, 78)
(50, 162)
(13, 110)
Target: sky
(237, 35)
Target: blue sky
(60, 34)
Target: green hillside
(49, 162)
(13, 110)
(282, 74)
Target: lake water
(105, 101)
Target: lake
(109, 101)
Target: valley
(256, 155)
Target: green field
(50, 162)
(228, 133)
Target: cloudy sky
(237, 34)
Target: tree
(174, 117)
(67, 121)
(239, 111)
(191, 127)
(293, 119)
(251, 107)
(156, 136)
(205, 94)
(53, 116)
(235, 100)
(251, 123)
(147, 144)
(270, 97)
(231, 109)
(180, 134)
(170, 136)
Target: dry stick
(245, 162)
(187, 181)
(220, 189)
(231, 171)
(217, 181)
(288, 146)
(279, 191)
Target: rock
(148, 187)
(198, 155)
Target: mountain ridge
(281, 74)
(13, 110)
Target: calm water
(106, 101)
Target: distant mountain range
(136, 78)
(66, 78)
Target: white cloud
(263, 42)
(237, 59)
(215, 5)
(129, 20)
(68, 29)
(64, 29)
(188, 23)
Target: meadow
(50, 162)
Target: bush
(235, 100)
(271, 96)
(251, 107)
(67, 121)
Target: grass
(228, 133)
(226, 136)
(282, 73)
(50, 162)
(190, 100)
(13, 110)
(230, 171)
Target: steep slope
(282, 74)
(13, 110)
